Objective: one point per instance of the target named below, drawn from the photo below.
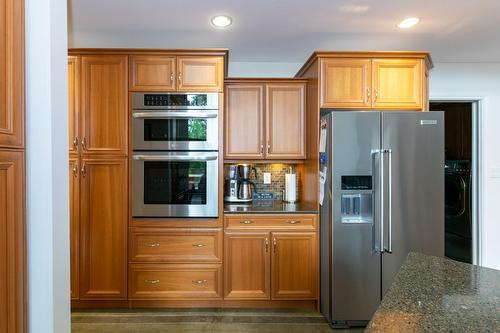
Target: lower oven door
(175, 184)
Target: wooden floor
(201, 321)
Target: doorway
(461, 156)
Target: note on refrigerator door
(322, 136)
(322, 182)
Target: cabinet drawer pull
(199, 245)
(247, 222)
(293, 222)
(152, 281)
(267, 245)
(376, 95)
(84, 143)
(84, 170)
(152, 244)
(75, 170)
(368, 95)
(179, 78)
(275, 244)
(75, 143)
(200, 281)
(172, 77)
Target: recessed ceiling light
(221, 21)
(408, 22)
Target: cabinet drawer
(175, 245)
(270, 221)
(175, 281)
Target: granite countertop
(432, 294)
(270, 207)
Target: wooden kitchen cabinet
(247, 265)
(74, 211)
(12, 240)
(104, 114)
(294, 265)
(285, 119)
(345, 83)
(200, 73)
(73, 103)
(271, 130)
(244, 121)
(12, 74)
(398, 83)
(103, 228)
(152, 73)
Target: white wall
(47, 166)
(473, 80)
(448, 80)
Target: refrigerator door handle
(389, 201)
(378, 247)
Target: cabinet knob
(199, 245)
(152, 281)
(200, 281)
(247, 222)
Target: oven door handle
(173, 115)
(174, 158)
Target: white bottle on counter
(290, 187)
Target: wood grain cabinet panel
(285, 119)
(103, 227)
(73, 103)
(152, 73)
(175, 281)
(200, 73)
(104, 104)
(12, 74)
(12, 243)
(397, 83)
(74, 211)
(175, 245)
(246, 265)
(345, 83)
(294, 265)
(244, 122)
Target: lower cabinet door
(74, 210)
(246, 260)
(103, 228)
(294, 265)
(175, 281)
(12, 243)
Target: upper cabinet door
(73, 103)
(152, 73)
(11, 74)
(200, 73)
(294, 265)
(397, 83)
(103, 227)
(345, 83)
(285, 119)
(104, 105)
(244, 121)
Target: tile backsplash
(277, 171)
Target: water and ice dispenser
(356, 199)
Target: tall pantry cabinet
(98, 127)
(13, 294)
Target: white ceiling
(289, 30)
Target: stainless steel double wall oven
(175, 159)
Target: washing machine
(458, 210)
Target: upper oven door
(175, 121)
(175, 184)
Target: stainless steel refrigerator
(383, 185)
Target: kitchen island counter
(432, 294)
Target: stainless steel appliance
(175, 184)
(175, 121)
(383, 197)
(239, 187)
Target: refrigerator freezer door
(414, 144)
(355, 267)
